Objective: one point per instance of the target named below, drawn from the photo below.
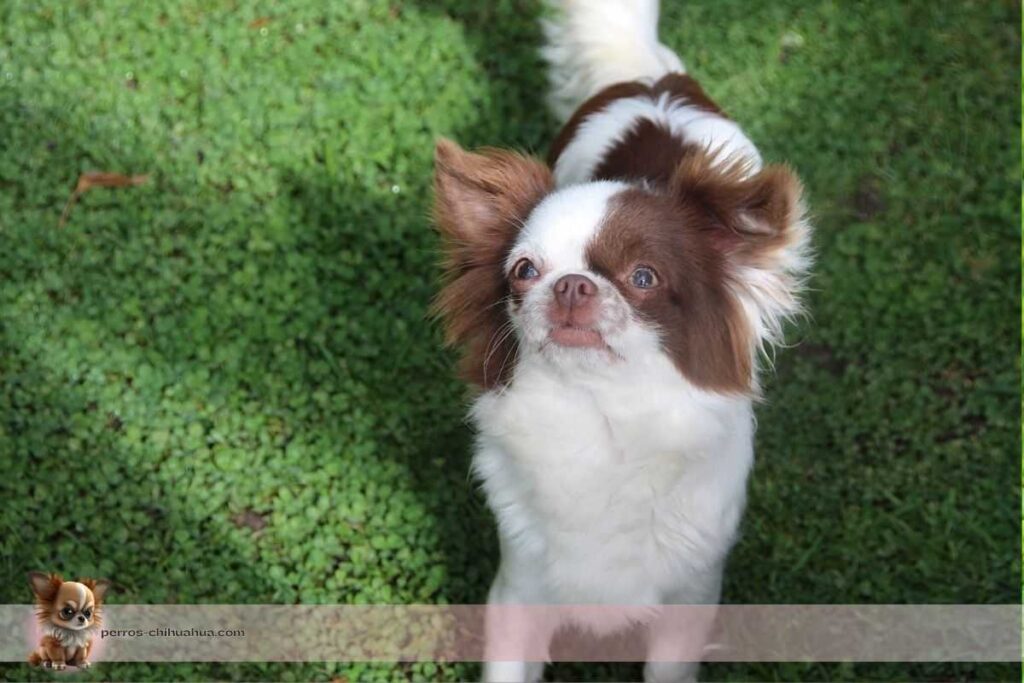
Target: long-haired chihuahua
(611, 306)
(69, 613)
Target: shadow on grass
(81, 497)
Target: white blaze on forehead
(82, 595)
(560, 228)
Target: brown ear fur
(753, 212)
(481, 201)
(45, 586)
(97, 586)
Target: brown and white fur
(611, 307)
(70, 614)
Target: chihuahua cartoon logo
(69, 613)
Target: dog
(69, 614)
(612, 307)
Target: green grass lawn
(221, 386)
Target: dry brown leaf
(251, 519)
(91, 179)
(259, 22)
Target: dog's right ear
(99, 587)
(485, 197)
(45, 586)
(481, 201)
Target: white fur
(592, 44)
(614, 480)
(621, 486)
(562, 225)
(602, 129)
(68, 637)
(80, 594)
(769, 293)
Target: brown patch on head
(74, 594)
(679, 87)
(481, 201)
(701, 325)
(710, 222)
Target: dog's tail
(591, 44)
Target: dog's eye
(525, 270)
(643, 278)
(87, 613)
(67, 613)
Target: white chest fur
(69, 638)
(624, 486)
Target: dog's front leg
(54, 653)
(678, 636)
(669, 645)
(81, 658)
(517, 629)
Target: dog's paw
(47, 664)
(84, 665)
(58, 666)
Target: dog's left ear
(754, 218)
(756, 214)
(97, 586)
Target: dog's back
(630, 109)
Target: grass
(221, 386)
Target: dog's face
(602, 273)
(606, 273)
(562, 303)
(74, 605)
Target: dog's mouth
(577, 337)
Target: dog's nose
(81, 619)
(574, 291)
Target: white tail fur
(592, 44)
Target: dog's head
(74, 605)
(702, 271)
